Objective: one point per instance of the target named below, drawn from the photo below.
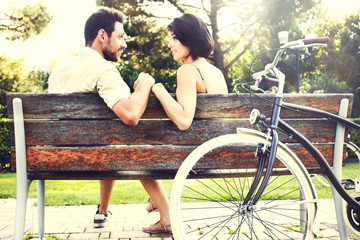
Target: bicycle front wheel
(212, 207)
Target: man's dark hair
(192, 32)
(105, 18)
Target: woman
(190, 42)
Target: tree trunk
(218, 53)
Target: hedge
(4, 144)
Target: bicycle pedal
(348, 184)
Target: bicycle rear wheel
(212, 207)
(352, 152)
(352, 155)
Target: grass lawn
(81, 192)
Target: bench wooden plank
(98, 175)
(141, 158)
(106, 132)
(146, 175)
(83, 106)
(76, 136)
(78, 132)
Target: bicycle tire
(227, 218)
(352, 220)
(354, 150)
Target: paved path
(75, 222)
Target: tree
(146, 53)
(147, 49)
(23, 23)
(350, 49)
(256, 22)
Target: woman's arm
(182, 110)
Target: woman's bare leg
(157, 194)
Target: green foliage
(147, 51)
(339, 62)
(15, 78)
(4, 145)
(24, 23)
(332, 69)
(321, 83)
(20, 23)
(235, 42)
(355, 135)
(11, 73)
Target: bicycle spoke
(214, 208)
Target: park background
(35, 35)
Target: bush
(355, 135)
(4, 145)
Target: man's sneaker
(100, 219)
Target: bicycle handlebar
(302, 43)
(320, 40)
(307, 42)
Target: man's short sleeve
(111, 87)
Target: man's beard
(109, 55)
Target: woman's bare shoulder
(187, 70)
(187, 67)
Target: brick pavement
(75, 222)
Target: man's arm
(129, 110)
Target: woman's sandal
(151, 208)
(157, 228)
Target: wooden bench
(76, 136)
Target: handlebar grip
(316, 40)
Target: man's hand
(144, 78)
(129, 110)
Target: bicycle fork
(263, 151)
(265, 156)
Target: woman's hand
(144, 77)
(157, 87)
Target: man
(91, 71)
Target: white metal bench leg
(41, 206)
(337, 168)
(22, 188)
(22, 182)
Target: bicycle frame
(314, 151)
(275, 122)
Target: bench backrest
(79, 133)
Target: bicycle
(245, 202)
(353, 154)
